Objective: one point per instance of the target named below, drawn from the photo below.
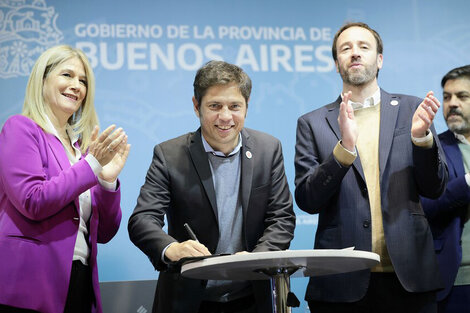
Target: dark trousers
(385, 295)
(457, 301)
(79, 296)
(244, 305)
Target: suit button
(364, 192)
(366, 224)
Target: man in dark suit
(361, 163)
(448, 216)
(228, 183)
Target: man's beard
(460, 127)
(358, 78)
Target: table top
(299, 263)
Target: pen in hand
(190, 232)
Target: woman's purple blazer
(39, 217)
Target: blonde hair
(34, 107)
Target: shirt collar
(462, 139)
(73, 136)
(208, 148)
(371, 101)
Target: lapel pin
(394, 102)
(248, 154)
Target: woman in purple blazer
(59, 193)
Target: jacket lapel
(60, 155)
(332, 119)
(201, 164)
(388, 120)
(59, 151)
(247, 163)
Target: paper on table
(197, 258)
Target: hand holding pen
(188, 248)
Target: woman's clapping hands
(111, 150)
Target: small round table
(279, 266)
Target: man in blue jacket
(448, 216)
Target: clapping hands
(347, 123)
(111, 150)
(424, 115)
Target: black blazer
(179, 185)
(339, 195)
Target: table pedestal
(280, 291)
(280, 283)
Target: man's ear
(196, 106)
(380, 60)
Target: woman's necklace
(66, 141)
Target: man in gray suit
(361, 163)
(227, 182)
